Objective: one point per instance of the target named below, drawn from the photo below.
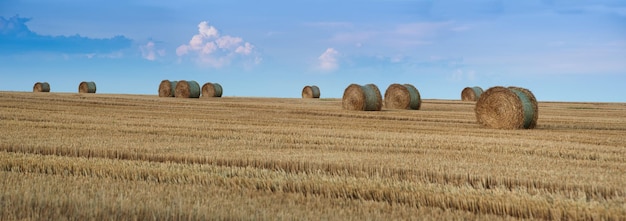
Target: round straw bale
(362, 98)
(507, 108)
(187, 89)
(87, 87)
(471, 93)
(167, 88)
(402, 96)
(311, 92)
(533, 102)
(41, 87)
(211, 90)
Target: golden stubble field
(103, 156)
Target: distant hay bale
(187, 89)
(167, 88)
(471, 93)
(87, 87)
(362, 98)
(41, 87)
(507, 108)
(402, 96)
(311, 92)
(211, 90)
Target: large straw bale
(211, 90)
(187, 89)
(533, 102)
(87, 87)
(167, 88)
(471, 93)
(41, 87)
(402, 96)
(311, 91)
(362, 97)
(507, 108)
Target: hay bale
(507, 108)
(167, 88)
(87, 87)
(41, 87)
(471, 93)
(362, 98)
(187, 89)
(533, 102)
(211, 90)
(311, 92)
(402, 96)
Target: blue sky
(562, 50)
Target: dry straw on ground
(507, 108)
(471, 93)
(402, 96)
(187, 89)
(211, 90)
(167, 88)
(311, 92)
(363, 98)
(87, 87)
(41, 87)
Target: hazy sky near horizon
(562, 50)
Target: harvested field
(103, 156)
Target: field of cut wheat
(104, 156)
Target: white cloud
(149, 51)
(196, 42)
(245, 49)
(182, 50)
(400, 36)
(207, 31)
(209, 48)
(228, 42)
(328, 60)
(213, 49)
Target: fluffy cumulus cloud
(150, 52)
(16, 37)
(209, 47)
(328, 60)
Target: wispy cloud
(460, 75)
(399, 35)
(341, 25)
(150, 52)
(209, 47)
(328, 60)
(16, 37)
